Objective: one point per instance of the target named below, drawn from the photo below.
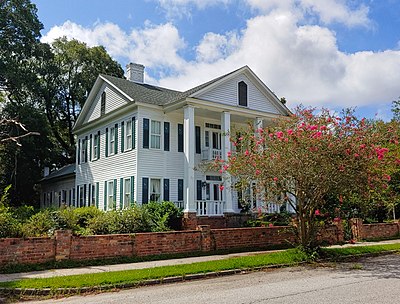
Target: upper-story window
(111, 145)
(84, 150)
(96, 146)
(103, 104)
(155, 134)
(242, 93)
(128, 135)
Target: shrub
(9, 226)
(40, 224)
(84, 214)
(165, 215)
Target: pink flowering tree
(306, 157)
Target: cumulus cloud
(183, 8)
(296, 59)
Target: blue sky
(324, 53)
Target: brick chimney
(135, 72)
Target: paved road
(372, 280)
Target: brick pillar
(356, 228)
(63, 244)
(189, 221)
(205, 237)
(340, 231)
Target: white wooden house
(138, 142)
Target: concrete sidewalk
(150, 264)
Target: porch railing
(210, 208)
(210, 154)
(179, 204)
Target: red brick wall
(382, 230)
(26, 251)
(101, 246)
(167, 242)
(258, 237)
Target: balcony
(210, 154)
(210, 208)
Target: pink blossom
(340, 199)
(317, 134)
(260, 130)
(356, 155)
(322, 128)
(387, 177)
(229, 153)
(279, 134)
(317, 212)
(271, 225)
(362, 146)
(240, 138)
(258, 172)
(275, 179)
(289, 132)
(247, 153)
(337, 219)
(313, 127)
(221, 187)
(220, 171)
(271, 135)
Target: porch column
(258, 123)
(226, 147)
(189, 151)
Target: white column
(226, 147)
(189, 151)
(258, 123)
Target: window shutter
(79, 151)
(145, 190)
(166, 136)
(122, 136)
(105, 196)
(115, 194)
(121, 193)
(77, 197)
(116, 139)
(198, 140)
(84, 196)
(132, 190)
(180, 137)
(86, 149)
(199, 192)
(97, 195)
(166, 190)
(133, 133)
(89, 195)
(106, 144)
(90, 148)
(98, 144)
(180, 189)
(146, 130)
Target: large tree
(305, 158)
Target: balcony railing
(210, 208)
(210, 154)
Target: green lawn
(287, 257)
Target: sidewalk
(150, 264)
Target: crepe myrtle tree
(303, 158)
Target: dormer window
(103, 104)
(242, 94)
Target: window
(110, 195)
(207, 138)
(242, 92)
(127, 192)
(103, 104)
(73, 197)
(111, 143)
(128, 135)
(81, 196)
(96, 141)
(155, 190)
(155, 134)
(93, 196)
(84, 150)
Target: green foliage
(164, 215)
(9, 226)
(40, 224)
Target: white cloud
(296, 59)
(183, 8)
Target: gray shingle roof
(142, 92)
(60, 173)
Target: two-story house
(138, 142)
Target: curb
(45, 292)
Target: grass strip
(287, 257)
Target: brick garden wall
(65, 246)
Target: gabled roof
(68, 170)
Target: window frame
(151, 193)
(157, 135)
(103, 104)
(83, 150)
(242, 85)
(128, 135)
(95, 146)
(111, 141)
(127, 192)
(110, 195)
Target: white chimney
(135, 72)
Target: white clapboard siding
(227, 93)
(120, 165)
(114, 100)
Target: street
(371, 280)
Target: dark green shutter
(105, 196)
(86, 149)
(90, 148)
(89, 194)
(145, 190)
(97, 195)
(77, 197)
(115, 194)
(98, 144)
(121, 193)
(132, 190)
(166, 136)
(116, 139)
(106, 144)
(198, 140)
(133, 133)
(166, 190)
(199, 192)
(79, 151)
(180, 189)
(122, 137)
(180, 137)
(146, 130)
